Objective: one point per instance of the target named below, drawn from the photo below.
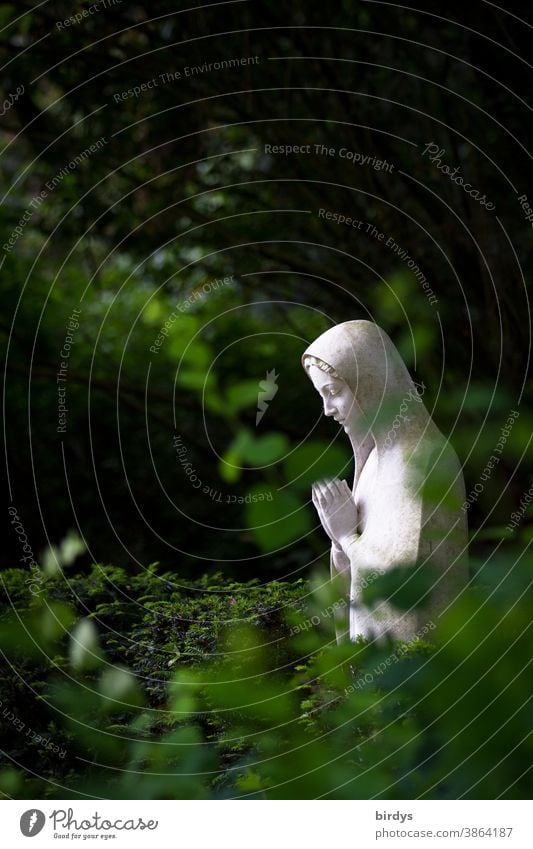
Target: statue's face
(338, 398)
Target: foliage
(202, 662)
(217, 690)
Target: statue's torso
(363, 489)
(404, 530)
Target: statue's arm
(341, 576)
(362, 557)
(340, 562)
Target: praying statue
(404, 508)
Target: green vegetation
(166, 614)
(214, 689)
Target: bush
(239, 690)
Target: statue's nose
(328, 411)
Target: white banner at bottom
(262, 825)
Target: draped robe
(409, 490)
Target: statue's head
(339, 400)
(360, 376)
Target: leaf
(251, 451)
(316, 460)
(154, 312)
(276, 518)
(84, 650)
(119, 685)
(243, 394)
(405, 586)
(197, 380)
(197, 354)
(71, 547)
(265, 449)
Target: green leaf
(276, 518)
(405, 586)
(243, 394)
(316, 460)
(265, 449)
(84, 649)
(71, 547)
(231, 461)
(197, 380)
(198, 355)
(251, 451)
(154, 312)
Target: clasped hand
(336, 509)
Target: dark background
(182, 193)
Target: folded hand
(336, 509)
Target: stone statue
(404, 506)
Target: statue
(404, 505)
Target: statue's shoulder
(419, 462)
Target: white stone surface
(404, 505)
